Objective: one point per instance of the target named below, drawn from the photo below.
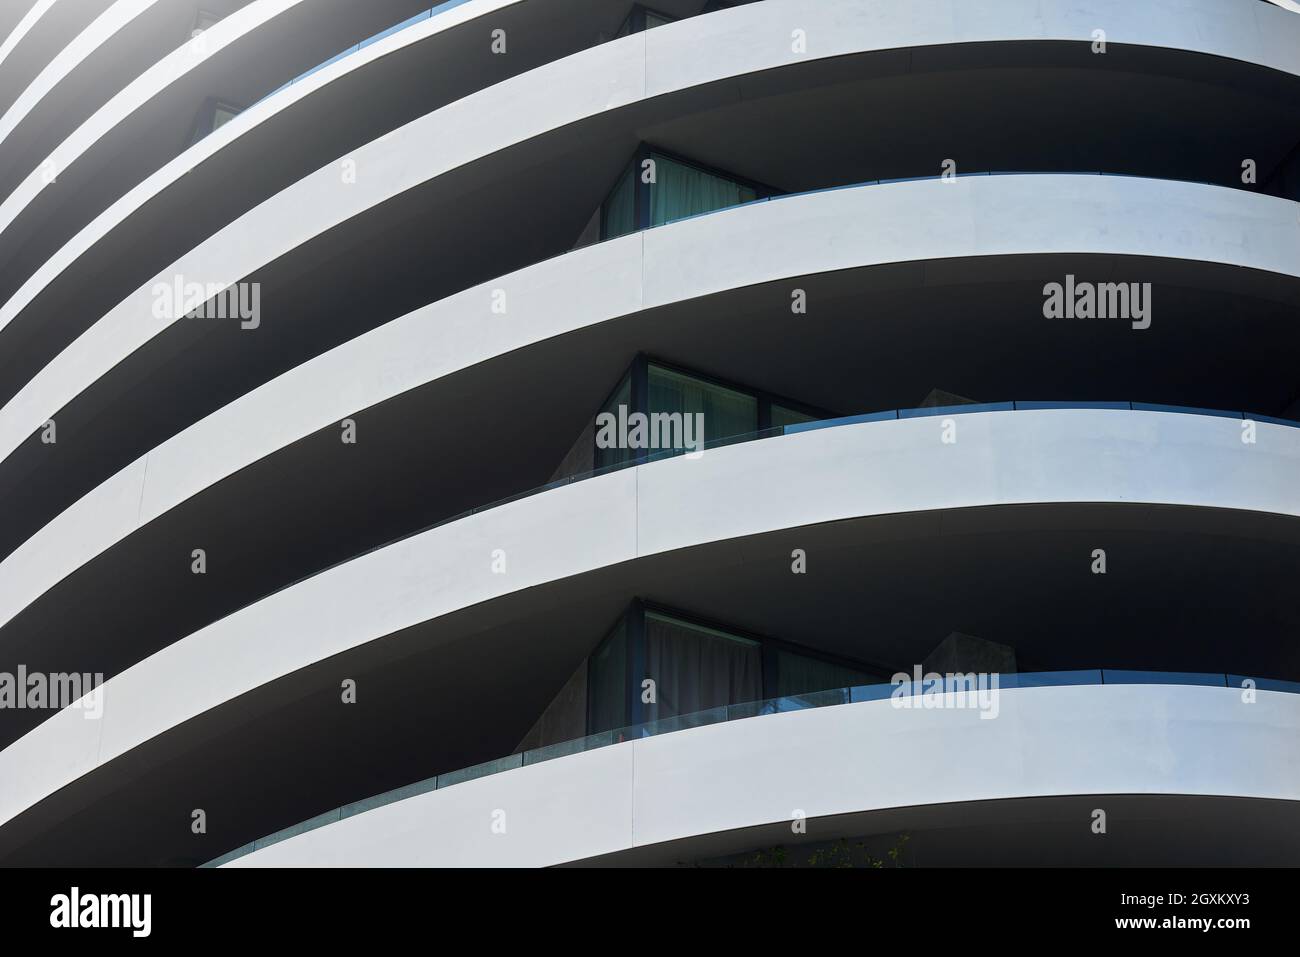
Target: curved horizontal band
(225, 46)
(750, 246)
(840, 760)
(735, 249)
(740, 42)
(25, 22)
(100, 31)
(185, 57)
(825, 475)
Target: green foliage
(839, 853)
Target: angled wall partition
(586, 410)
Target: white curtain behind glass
(694, 669)
(726, 411)
(681, 191)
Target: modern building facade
(574, 432)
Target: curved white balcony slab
(724, 45)
(748, 246)
(23, 27)
(845, 759)
(825, 475)
(185, 57)
(222, 39)
(100, 31)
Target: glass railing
(429, 14)
(368, 41)
(780, 430)
(452, 4)
(777, 197)
(749, 709)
